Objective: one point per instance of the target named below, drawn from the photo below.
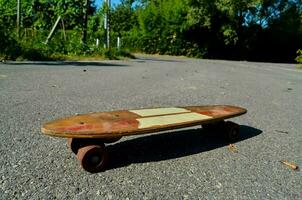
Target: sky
(99, 2)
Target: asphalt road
(180, 164)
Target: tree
(46, 12)
(160, 26)
(123, 18)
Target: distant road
(184, 164)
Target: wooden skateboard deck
(139, 121)
(88, 133)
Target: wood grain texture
(124, 122)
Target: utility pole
(107, 26)
(84, 30)
(18, 17)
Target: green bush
(299, 57)
(32, 47)
(9, 46)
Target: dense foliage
(266, 30)
(37, 19)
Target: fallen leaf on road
(290, 165)
(2, 76)
(233, 148)
(280, 131)
(192, 88)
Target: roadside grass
(106, 55)
(44, 55)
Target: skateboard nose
(68, 125)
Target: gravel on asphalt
(177, 164)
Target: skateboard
(88, 133)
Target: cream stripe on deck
(170, 119)
(159, 111)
